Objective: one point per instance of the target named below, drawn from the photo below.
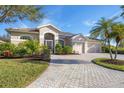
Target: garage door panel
(94, 48)
(78, 48)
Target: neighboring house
(1, 41)
(50, 35)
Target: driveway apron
(77, 71)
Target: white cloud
(89, 22)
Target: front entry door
(49, 43)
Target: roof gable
(50, 26)
(78, 38)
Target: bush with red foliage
(7, 53)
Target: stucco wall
(15, 37)
(45, 30)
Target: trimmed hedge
(62, 50)
(58, 48)
(105, 49)
(67, 50)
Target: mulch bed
(16, 57)
(35, 58)
(115, 62)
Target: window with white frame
(26, 37)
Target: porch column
(85, 47)
(41, 38)
(56, 38)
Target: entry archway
(49, 40)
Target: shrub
(120, 50)
(7, 53)
(45, 55)
(105, 49)
(28, 48)
(67, 50)
(33, 46)
(58, 49)
(7, 47)
(1, 53)
(22, 50)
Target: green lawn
(19, 72)
(111, 66)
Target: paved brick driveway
(74, 71)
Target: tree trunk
(110, 52)
(116, 51)
(105, 42)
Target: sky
(74, 19)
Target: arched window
(26, 37)
(49, 36)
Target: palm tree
(102, 30)
(118, 35)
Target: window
(61, 42)
(26, 37)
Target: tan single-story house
(50, 35)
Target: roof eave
(14, 30)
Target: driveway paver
(77, 71)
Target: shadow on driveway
(69, 61)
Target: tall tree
(122, 13)
(102, 29)
(118, 35)
(11, 13)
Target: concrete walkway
(73, 71)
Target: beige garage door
(94, 48)
(78, 48)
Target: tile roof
(27, 30)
